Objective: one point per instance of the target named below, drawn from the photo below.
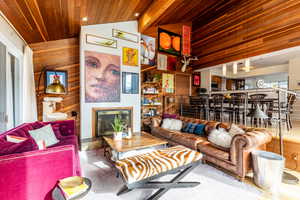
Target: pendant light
(224, 69)
(234, 68)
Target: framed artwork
(168, 83)
(101, 41)
(130, 83)
(171, 63)
(162, 61)
(148, 50)
(186, 40)
(130, 56)
(196, 80)
(54, 77)
(102, 77)
(169, 42)
(125, 35)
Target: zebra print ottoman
(138, 171)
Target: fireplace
(104, 117)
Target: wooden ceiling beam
(155, 10)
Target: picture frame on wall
(148, 50)
(196, 80)
(54, 77)
(125, 35)
(168, 83)
(169, 42)
(130, 56)
(130, 83)
(101, 41)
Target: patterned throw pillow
(45, 133)
(190, 127)
(199, 129)
(234, 130)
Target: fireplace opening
(104, 117)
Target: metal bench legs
(162, 186)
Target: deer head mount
(186, 61)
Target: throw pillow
(199, 129)
(45, 133)
(172, 124)
(15, 139)
(192, 128)
(172, 116)
(166, 124)
(7, 148)
(234, 130)
(220, 138)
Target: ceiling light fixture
(234, 68)
(84, 19)
(247, 65)
(136, 14)
(224, 69)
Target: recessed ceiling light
(84, 19)
(136, 14)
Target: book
(72, 186)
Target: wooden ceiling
(45, 20)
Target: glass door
(10, 98)
(3, 66)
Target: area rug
(215, 184)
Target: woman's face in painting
(102, 76)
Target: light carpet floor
(215, 185)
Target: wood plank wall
(246, 29)
(63, 55)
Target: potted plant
(118, 128)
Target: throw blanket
(143, 166)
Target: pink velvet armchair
(31, 175)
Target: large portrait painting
(102, 77)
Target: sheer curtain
(29, 95)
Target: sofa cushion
(7, 148)
(208, 149)
(188, 140)
(45, 133)
(161, 132)
(220, 138)
(199, 129)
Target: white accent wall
(127, 100)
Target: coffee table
(140, 143)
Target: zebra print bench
(138, 171)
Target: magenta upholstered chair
(32, 175)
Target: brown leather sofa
(236, 160)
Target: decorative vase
(118, 135)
